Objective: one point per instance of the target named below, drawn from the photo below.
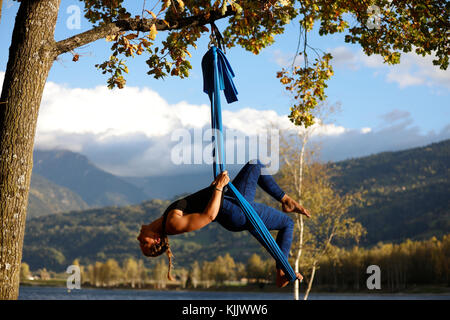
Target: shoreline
(435, 290)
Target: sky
(130, 131)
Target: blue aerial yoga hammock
(217, 75)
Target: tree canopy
(384, 27)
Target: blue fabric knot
(225, 74)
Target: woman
(210, 204)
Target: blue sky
(410, 99)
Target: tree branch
(1, 4)
(133, 24)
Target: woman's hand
(221, 180)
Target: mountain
(67, 181)
(74, 171)
(46, 197)
(407, 192)
(168, 187)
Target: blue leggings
(233, 219)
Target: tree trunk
(297, 260)
(311, 279)
(31, 56)
(300, 218)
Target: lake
(53, 293)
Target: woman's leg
(274, 219)
(233, 219)
(250, 176)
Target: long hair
(158, 249)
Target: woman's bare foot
(290, 205)
(283, 281)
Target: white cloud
(373, 61)
(344, 57)
(404, 79)
(396, 132)
(111, 113)
(128, 131)
(397, 136)
(413, 69)
(285, 60)
(395, 115)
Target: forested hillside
(407, 193)
(54, 241)
(46, 197)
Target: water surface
(53, 293)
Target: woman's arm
(179, 223)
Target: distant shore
(244, 288)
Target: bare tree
(309, 183)
(293, 153)
(329, 219)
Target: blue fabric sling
(217, 75)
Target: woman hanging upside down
(209, 204)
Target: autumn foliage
(383, 27)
